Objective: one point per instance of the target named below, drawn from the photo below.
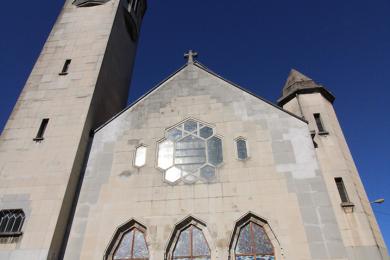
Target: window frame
(236, 140)
(181, 226)
(135, 155)
(118, 236)
(320, 124)
(11, 233)
(242, 222)
(342, 190)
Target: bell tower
(80, 80)
(359, 229)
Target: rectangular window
(319, 123)
(42, 129)
(342, 191)
(65, 68)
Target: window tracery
(128, 243)
(191, 245)
(11, 222)
(251, 240)
(189, 152)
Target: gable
(195, 80)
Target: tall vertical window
(132, 246)
(342, 191)
(191, 245)
(140, 156)
(242, 149)
(319, 123)
(253, 243)
(42, 129)
(11, 222)
(65, 68)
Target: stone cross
(190, 56)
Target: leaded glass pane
(262, 243)
(208, 172)
(174, 134)
(190, 125)
(242, 151)
(265, 257)
(124, 249)
(165, 154)
(3, 223)
(186, 151)
(140, 156)
(11, 223)
(214, 151)
(245, 257)
(173, 174)
(244, 241)
(183, 244)
(190, 153)
(200, 246)
(206, 132)
(140, 248)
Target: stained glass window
(189, 152)
(140, 156)
(132, 246)
(242, 151)
(191, 244)
(11, 221)
(254, 244)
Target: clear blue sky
(344, 45)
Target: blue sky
(344, 45)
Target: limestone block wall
(358, 225)
(40, 177)
(281, 182)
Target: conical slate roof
(298, 83)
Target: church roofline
(201, 66)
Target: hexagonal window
(190, 125)
(208, 172)
(190, 152)
(173, 174)
(206, 132)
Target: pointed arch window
(128, 243)
(253, 243)
(11, 222)
(189, 241)
(191, 244)
(253, 239)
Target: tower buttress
(80, 80)
(304, 97)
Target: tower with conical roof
(359, 230)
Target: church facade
(198, 168)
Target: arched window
(132, 246)
(128, 243)
(191, 245)
(253, 239)
(253, 243)
(11, 222)
(189, 241)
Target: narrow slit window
(242, 149)
(65, 68)
(342, 191)
(319, 123)
(140, 156)
(42, 129)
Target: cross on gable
(190, 55)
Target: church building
(196, 169)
